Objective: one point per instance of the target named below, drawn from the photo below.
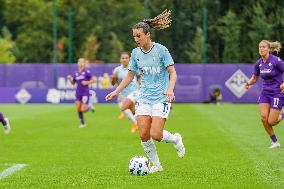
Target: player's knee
(84, 109)
(272, 122)
(264, 118)
(123, 108)
(156, 136)
(144, 134)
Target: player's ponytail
(160, 22)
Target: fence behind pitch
(46, 83)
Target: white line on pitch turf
(14, 168)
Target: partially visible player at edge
(271, 100)
(92, 92)
(118, 74)
(156, 90)
(83, 79)
(6, 124)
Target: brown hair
(160, 22)
(273, 46)
(124, 52)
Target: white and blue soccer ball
(139, 165)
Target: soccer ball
(139, 165)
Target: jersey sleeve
(280, 65)
(133, 63)
(115, 70)
(256, 70)
(166, 57)
(88, 74)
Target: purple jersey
(78, 77)
(271, 72)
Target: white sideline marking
(14, 168)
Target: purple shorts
(83, 98)
(275, 101)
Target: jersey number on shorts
(166, 108)
(275, 101)
(85, 99)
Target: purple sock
(273, 138)
(2, 120)
(81, 116)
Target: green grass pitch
(226, 147)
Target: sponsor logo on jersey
(151, 70)
(265, 70)
(79, 77)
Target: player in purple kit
(5, 123)
(271, 100)
(83, 79)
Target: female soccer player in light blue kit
(119, 73)
(156, 90)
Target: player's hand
(247, 85)
(170, 95)
(282, 87)
(111, 95)
(85, 83)
(69, 77)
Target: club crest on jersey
(138, 60)
(154, 56)
(270, 64)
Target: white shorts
(133, 96)
(159, 110)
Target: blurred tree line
(100, 29)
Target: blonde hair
(273, 46)
(160, 22)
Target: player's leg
(275, 114)
(144, 123)
(5, 123)
(126, 107)
(274, 117)
(264, 114)
(85, 104)
(80, 113)
(119, 103)
(92, 99)
(91, 105)
(84, 107)
(160, 114)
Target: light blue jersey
(121, 74)
(155, 76)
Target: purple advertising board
(47, 83)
